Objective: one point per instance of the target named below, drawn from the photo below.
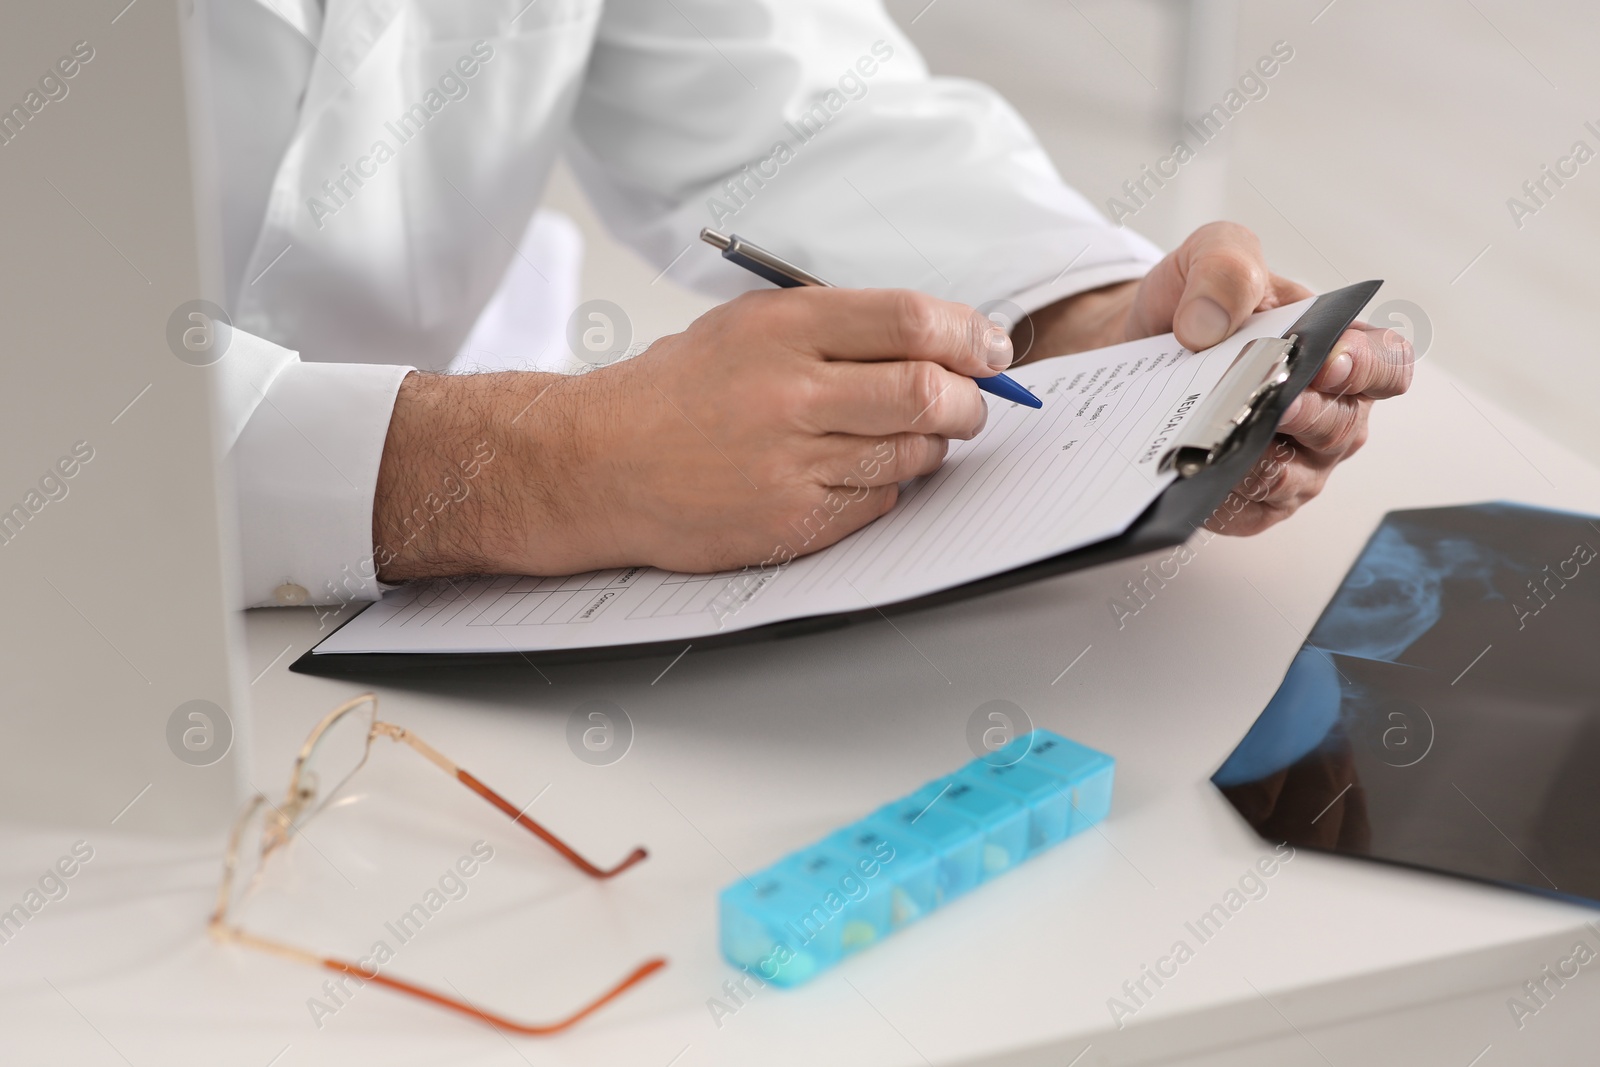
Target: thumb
(1206, 288)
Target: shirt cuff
(1073, 282)
(305, 469)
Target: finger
(1251, 519)
(876, 399)
(1324, 423)
(1377, 363)
(1283, 291)
(1212, 283)
(1225, 277)
(851, 461)
(1245, 513)
(1292, 484)
(1267, 479)
(898, 324)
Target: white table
(742, 755)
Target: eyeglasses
(337, 748)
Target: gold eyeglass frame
(284, 819)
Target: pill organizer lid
(1018, 779)
(960, 796)
(1064, 757)
(774, 890)
(944, 831)
(824, 867)
(862, 838)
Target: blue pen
(759, 261)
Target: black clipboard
(1169, 521)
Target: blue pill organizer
(834, 898)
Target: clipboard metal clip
(1257, 372)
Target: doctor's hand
(1203, 292)
(773, 426)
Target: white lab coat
(380, 161)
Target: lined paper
(1034, 484)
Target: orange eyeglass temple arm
(228, 934)
(545, 835)
(400, 733)
(640, 973)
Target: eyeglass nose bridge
(278, 822)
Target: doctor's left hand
(1203, 291)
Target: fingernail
(1202, 323)
(997, 348)
(1294, 409)
(1337, 372)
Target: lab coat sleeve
(814, 129)
(304, 441)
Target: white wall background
(1387, 147)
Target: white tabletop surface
(742, 755)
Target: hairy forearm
(459, 489)
(1087, 320)
(545, 474)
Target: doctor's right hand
(772, 427)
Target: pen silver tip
(712, 237)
